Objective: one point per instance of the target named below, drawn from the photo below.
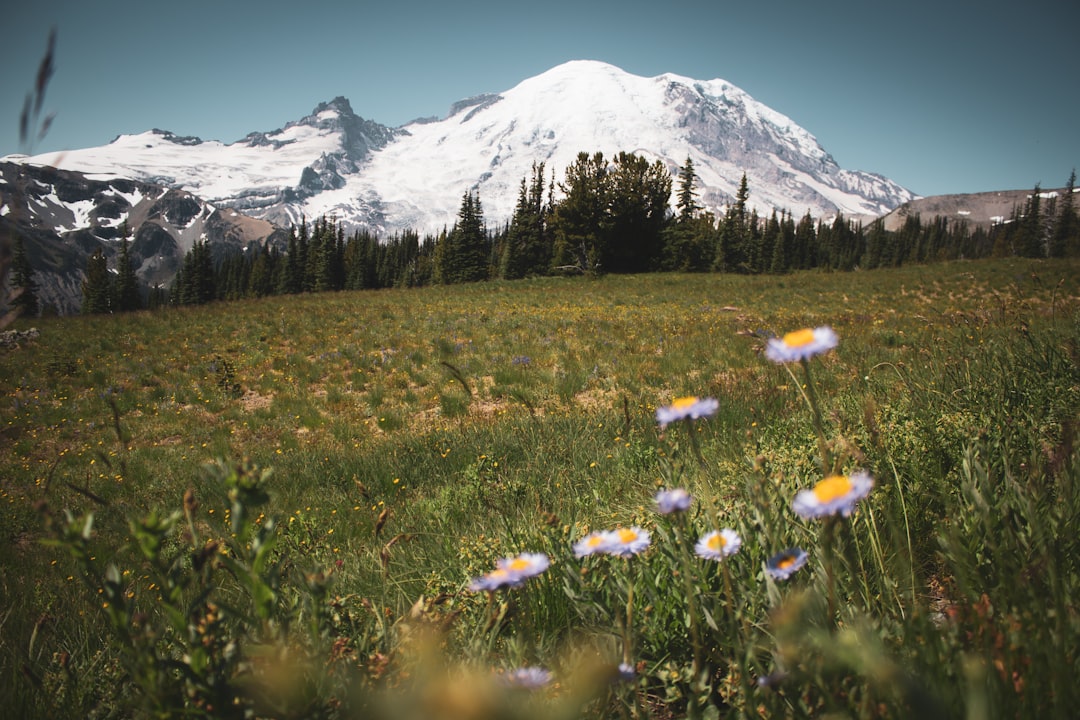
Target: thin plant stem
(687, 570)
(810, 396)
(907, 532)
(828, 542)
(628, 638)
(691, 431)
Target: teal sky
(939, 96)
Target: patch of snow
(132, 198)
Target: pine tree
(260, 279)
(773, 256)
(464, 252)
(876, 242)
(805, 243)
(782, 259)
(128, 296)
(640, 195)
(196, 280)
(683, 240)
(292, 272)
(1065, 238)
(527, 247)
(687, 203)
(733, 249)
(22, 280)
(97, 289)
(1030, 240)
(581, 218)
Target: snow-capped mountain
(335, 163)
(490, 143)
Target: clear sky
(941, 96)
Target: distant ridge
(977, 209)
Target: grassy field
(417, 436)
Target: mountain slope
(65, 216)
(266, 174)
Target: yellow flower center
(799, 338)
(831, 488)
(594, 541)
(786, 562)
(627, 536)
(518, 564)
(683, 402)
(716, 542)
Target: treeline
(613, 216)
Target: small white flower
(801, 344)
(686, 408)
(718, 544)
(781, 565)
(674, 500)
(836, 494)
(626, 542)
(594, 542)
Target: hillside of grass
(415, 437)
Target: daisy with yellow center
(718, 544)
(594, 542)
(494, 580)
(675, 500)
(525, 565)
(836, 494)
(686, 408)
(801, 344)
(511, 572)
(626, 542)
(783, 564)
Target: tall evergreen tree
(196, 279)
(128, 295)
(581, 217)
(772, 246)
(640, 195)
(876, 245)
(733, 248)
(527, 247)
(1030, 231)
(805, 250)
(97, 288)
(292, 271)
(464, 256)
(686, 241)
(22, 280)
(261, 278)
(1065, 238)
(687, 203)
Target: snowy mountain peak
(489, 143)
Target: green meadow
(276, 507)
